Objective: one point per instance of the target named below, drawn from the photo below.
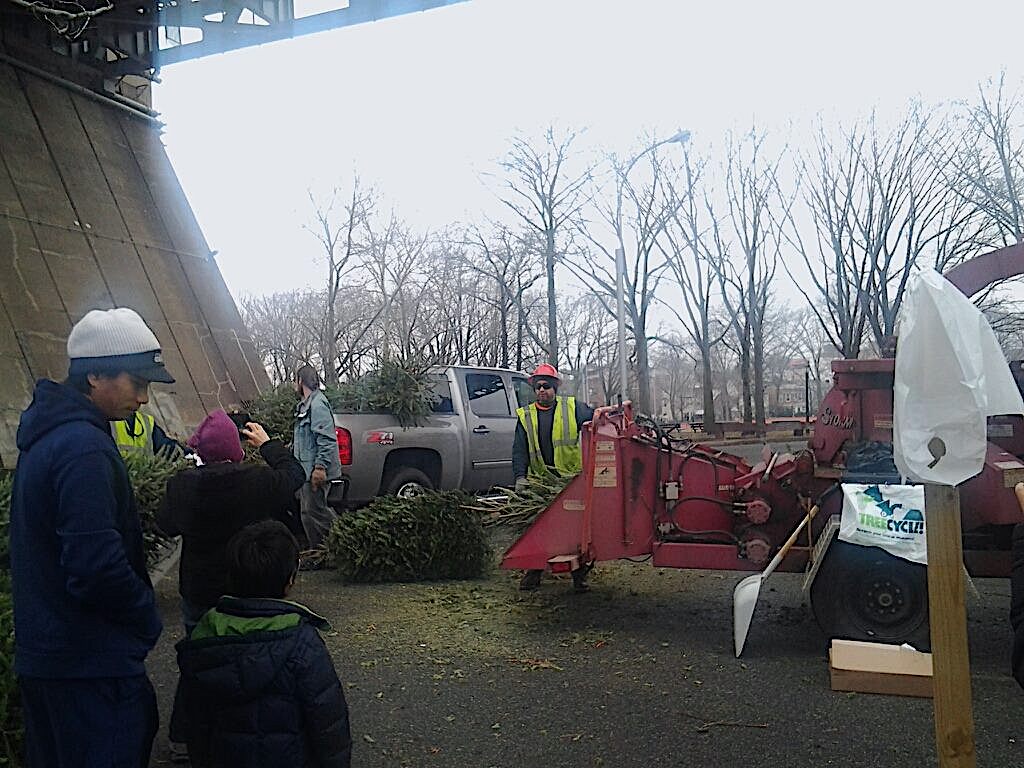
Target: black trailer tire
(406, 482)
(864, 593)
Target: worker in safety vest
(548, 441)
(140, 432)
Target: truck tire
(406, 482)
(864, 593)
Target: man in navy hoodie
(84, 611)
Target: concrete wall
(92, 216)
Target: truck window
(523, 390)
(487, 394)
(442, 390)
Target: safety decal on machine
(573, 505)
(605, 476)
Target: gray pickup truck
(465, 443)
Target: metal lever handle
(481, 430)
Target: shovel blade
(744, 599)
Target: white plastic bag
(887, 516)
(950, 375)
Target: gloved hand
(522, 484)
(318, 478)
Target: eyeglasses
(542, 385)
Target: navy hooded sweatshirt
(83, 601)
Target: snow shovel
(744, 596)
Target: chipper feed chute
(589, 520)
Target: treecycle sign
(890, 517)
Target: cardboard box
(879, 668)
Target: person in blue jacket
(315, 444)
(84, 612)
(258, 687)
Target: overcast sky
(422, 105)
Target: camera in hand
(240, 418)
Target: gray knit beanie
(116, 340)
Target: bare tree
(990, 158)
(752, 193)
(507, 261)
(692, 250)
(677, 377)
(280, 328)
(546, 195)
(636, 208)
(588, 340)
(880, 203)
(339, 228)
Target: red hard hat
(545, 371)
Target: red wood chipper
(644, 491)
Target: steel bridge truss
(114, 38)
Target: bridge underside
(137, 37)
(92, 216)
(91, 212)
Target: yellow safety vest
(141, 439)
(565, 437)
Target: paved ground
(638, 672)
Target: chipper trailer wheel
(864, 593)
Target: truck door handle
(481, 430)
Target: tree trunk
(552, 308)
(643, 375)
(503, 310)
(745, 398)
(330, 361)
(707, 381)
(758, 374)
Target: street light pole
(680, 137)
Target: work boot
(530, 581)
(579, 581)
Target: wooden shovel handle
(792, 540)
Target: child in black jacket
(259, 689)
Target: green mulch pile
(429, 537)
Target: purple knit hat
(216, 439)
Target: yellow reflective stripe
(569, 433)
(130, 442)
(568, 459)
(528, 418)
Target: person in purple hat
(208, 504)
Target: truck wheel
(406, 482)
(864, 593)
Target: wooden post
(954, 717)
